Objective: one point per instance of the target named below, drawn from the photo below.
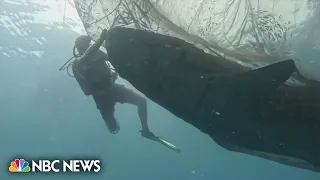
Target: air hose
(69, 63)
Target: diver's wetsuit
(117, 93)
(95, 78)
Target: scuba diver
(96, 78)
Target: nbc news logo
(23, 166)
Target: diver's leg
(106, 108)
(125, 95)
(110, 120)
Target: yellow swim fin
(166, 143)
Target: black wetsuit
(95, 78)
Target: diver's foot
(147, 134)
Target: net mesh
(253, 33)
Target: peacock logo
(19, 165)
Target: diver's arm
(95, 47)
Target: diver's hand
(146, 133)
(104, 34)
(115, 76)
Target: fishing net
(252, 33)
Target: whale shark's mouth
(252, 33)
